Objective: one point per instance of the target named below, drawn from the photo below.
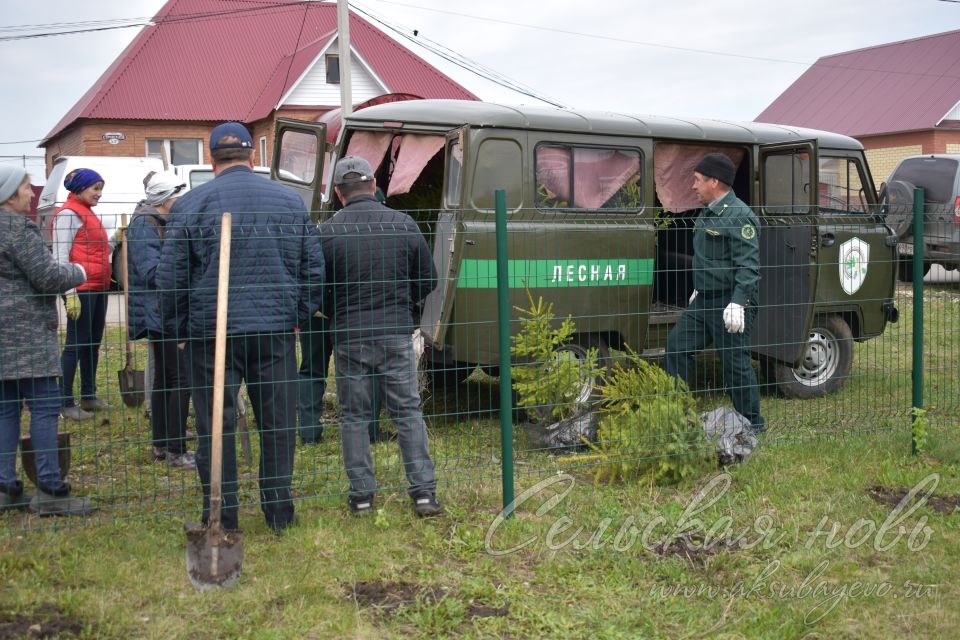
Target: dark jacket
(726, 251)
(144, 241)
(379, 268)
(276, 263)
(30, 280)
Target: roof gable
(215, 60)
(900, 86)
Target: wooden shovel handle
(219, 358)
(125, 275)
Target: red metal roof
(214, 60)
(901, 86)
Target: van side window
(571, 177)
(841, 186)
(786, 185)
(499, 166)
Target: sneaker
(159, 453)
(185, 460)
(426, 505)
(75, 413)
(12, 496)
(58, 502)
(360, 506)
(94, 404)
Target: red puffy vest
(91, 247)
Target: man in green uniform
(726, 277)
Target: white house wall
(312, 89)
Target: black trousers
(170, 396)
(268, 364)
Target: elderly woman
(80, 238)
(30, 279)
(170, 397)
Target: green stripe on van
(482, 274)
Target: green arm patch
(748, 232)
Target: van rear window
(936, 175)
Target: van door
(788, 249)
(447, 244)
(298, 159)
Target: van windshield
(935, 175)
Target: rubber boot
(58, 502)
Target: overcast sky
(684, 58)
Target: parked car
(603, 211)
(939, 176)
(195, 175)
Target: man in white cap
(170, 394)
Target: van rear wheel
(905, 269)
(826, 363)
(586, 389)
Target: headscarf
(162, 186)
(11, 177)
(79, 180)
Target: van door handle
(828, 240)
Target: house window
(333, 69)
(263, 152)
(176, 152)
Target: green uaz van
(600, 215)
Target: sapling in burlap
(649, 426)
(548, 378)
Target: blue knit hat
(79, 180)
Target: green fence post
(503, 333)
(917, 373)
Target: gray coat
(30, 279)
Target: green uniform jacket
(726, 246)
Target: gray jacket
(30, 280)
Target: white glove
(692, 297)
(733, 318)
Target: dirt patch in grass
(47, 621)
(892, 497)
(388, 597)
(695, 549)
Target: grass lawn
(808, 539)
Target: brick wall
(885, 151)
(86, 138)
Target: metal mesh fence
(826, 355)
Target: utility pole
(343, 41)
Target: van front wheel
(826, 363)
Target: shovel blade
(214, 556)
(131, 386)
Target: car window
(841, 186)
(571, 177)
(935, 175)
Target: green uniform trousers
(702, 325)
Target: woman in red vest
(79, 237)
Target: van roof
(458, 113)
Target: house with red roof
(898, 99)
(202, 62)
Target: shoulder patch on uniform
(748, 232)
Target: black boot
(12, 496)
(57, 502)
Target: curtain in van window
(415, 153)
(673, 166)
(600, 173)
(370, 145)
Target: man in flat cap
(276, 284)
(726, 277)
(380, 269)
